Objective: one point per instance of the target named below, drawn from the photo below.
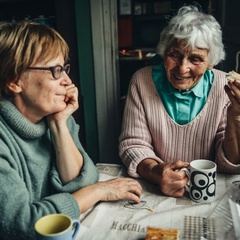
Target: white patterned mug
(202, 176)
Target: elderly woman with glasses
(182, 109)
(44, 168)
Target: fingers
(181, 164)
(172, 172)
(71, 88)
(122, 188)
(133, 190)
(133, 197)
(71, 94)
(174, 188)
(71, 100)
(176, 165)
(236, 82)
(173, 181)
(233, 91)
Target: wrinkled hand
(231, 141)
(172, 181)
(233, 92)
(120, 188)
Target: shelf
(150, 17)
(141, 28)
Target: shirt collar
(164, 86)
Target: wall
(96, 25)
(105, 52)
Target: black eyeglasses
(57, 71)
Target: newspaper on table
(124, 219)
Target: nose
(184, 65)
(66, 80)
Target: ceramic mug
(57, 227)
(202, 176)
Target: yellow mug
(57, 227)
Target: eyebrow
(196, 54)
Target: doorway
(105, 52)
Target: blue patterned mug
(202, 176)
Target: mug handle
(76, 224)
(188, 175)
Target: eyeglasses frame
(65, 68)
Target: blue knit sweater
(30, 186)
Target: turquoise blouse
(182, 107)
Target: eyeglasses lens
(58, 71)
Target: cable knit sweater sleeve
(149, 132)
(30, 186)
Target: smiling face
(185, 66)
(38, 94)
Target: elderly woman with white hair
(182, 109)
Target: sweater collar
(21, 125)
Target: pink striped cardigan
(149, 132)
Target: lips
(61, 96)
(181, 78)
